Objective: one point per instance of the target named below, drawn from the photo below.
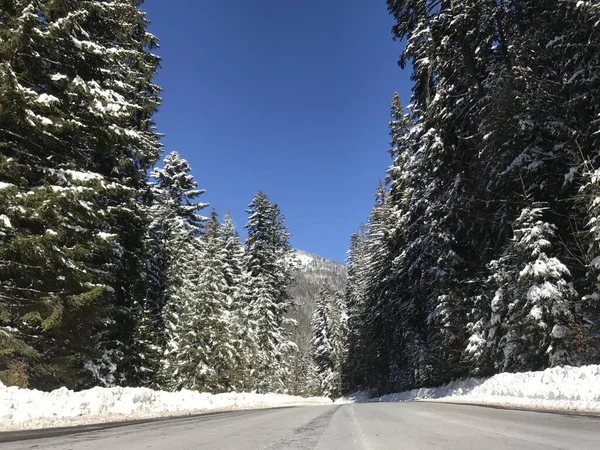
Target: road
(366, 426)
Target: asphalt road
(366, 426)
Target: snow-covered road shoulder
(22, 409)
(562, 389)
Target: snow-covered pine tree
(77, 138)
(532, 321)
(338, 326)
(176, 189)
(378, 263)
(233, 250)
(391, 218)
(489, 317)
(354, 367)
(321, 345)
(540, 317)
(206, 353)
(329, 342)
(454, 47)
(173, 250)
(233, 259)
(268, 273)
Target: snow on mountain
(320, 271)
(304, 259)
(315, 272)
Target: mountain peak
(306, 259)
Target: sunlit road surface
(369, 426)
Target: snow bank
(571, 389)
(28, 409)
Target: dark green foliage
(77, 138)
(503, 118)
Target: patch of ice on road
(29, 409)
(575, 389)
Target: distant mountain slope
(314, 273)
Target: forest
(481, 253)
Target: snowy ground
(571, 389)
(29, 409)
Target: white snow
(304, 259)
(29, 409)
(570, 389)
(38, 118)
(47, 99)
(58, 76)
(570, 175)
(83, 176)
(106, 236)
(5, 220)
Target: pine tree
(172, 240)
(322, 347)
(339, 338)
(233, 257)
(77, 138)
(329, 341)
(268, 269)
(205, 349)
(354, 367)
(377, 267)
(540, 314)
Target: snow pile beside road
(574, 389)
(27, 409)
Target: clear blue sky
(291, 98)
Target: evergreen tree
(354, 367)
(268, 269)
(233, 256)
(539, 315)
(173, 244)
(322, 347)
(338, 326)
(205, 348)
(329, 341)
(233, 251)
(77, 138)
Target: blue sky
(291, 98)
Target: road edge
(50, 432)
(541, 409)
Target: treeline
(108, 274)
(481, 254)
